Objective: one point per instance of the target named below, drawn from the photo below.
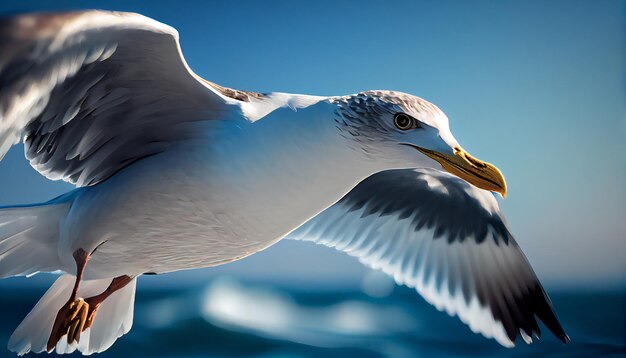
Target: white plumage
(175, 172)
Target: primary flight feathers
(447, 239)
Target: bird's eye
(403, 121)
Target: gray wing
(447, 239)
(92, 92)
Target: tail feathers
(113, 319)
(29, 238)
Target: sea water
(231, 318)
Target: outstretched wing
(447, 239)
(92, 92)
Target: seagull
(173, 172)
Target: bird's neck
(289, 166)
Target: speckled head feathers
(368, 117)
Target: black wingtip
(566, 339)
(546, 313)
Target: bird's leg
(78, 314)
(73, 314)
(93, 303)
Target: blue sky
(535, 87)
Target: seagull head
(404, 131)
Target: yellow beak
(474, 171)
